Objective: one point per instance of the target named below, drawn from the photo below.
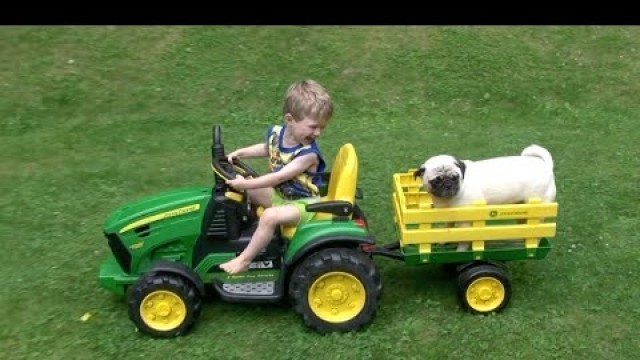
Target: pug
(501, 180)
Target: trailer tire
(484, 288)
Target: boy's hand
(231, 156)
(239, 183)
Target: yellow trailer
(491, 235)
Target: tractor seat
(341, 194)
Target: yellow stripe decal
(164, 215)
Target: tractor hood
(157, 207)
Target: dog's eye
(437, 179)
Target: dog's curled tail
(538, 151)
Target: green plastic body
(169, 237)
(166, 226)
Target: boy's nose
(316, 132)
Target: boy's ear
(288, 117)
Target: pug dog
(501, 180)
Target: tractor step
(250, 291)
(250, 288)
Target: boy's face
(305, 130)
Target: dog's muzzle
(445, 186)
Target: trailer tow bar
(391, 250)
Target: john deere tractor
(166, 250)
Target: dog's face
(442, 175)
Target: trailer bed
(495, 232)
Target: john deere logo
(495, 213)
(137, 245)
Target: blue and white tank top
(303, 185)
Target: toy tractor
(167, 248)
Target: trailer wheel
(336, 290)
(163, 304)
(484, 288)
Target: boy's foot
(235, 265)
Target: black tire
(345, 281)
(163, 304)
(484, 288)
(451, 268)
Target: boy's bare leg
(272, 217)
(261, 196)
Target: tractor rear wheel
(336, 289)
(163, 304)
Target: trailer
(493, 235)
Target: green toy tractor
(167, 248)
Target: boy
(295, 163)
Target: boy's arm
(288, 172)
(255, 150)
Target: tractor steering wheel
(226, 170)
(221, 164)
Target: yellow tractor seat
(341, 194)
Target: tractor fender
(348, 241)
(178, 268)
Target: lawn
(94, 117)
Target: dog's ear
(462, 166)
(418, 172)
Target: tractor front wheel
(336, 289)
(163, 304)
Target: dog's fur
(500, 180)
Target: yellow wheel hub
(485, 294)
(337, 297)
(163, 310)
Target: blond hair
(307, 98)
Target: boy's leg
(261, 197)
(272, 217)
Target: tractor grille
(120, 252)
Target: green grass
(93, 117)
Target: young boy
(295, 163)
